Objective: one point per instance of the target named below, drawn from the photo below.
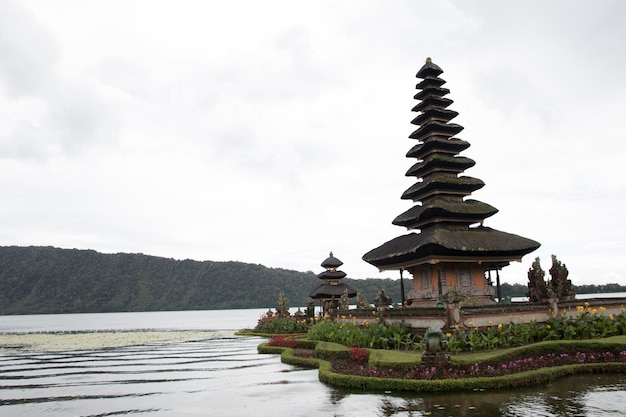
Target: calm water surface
(223, 375)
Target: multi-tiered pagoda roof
(450, 226)
(332, 288)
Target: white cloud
(275, 132)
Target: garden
(353, 353)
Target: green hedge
(613, 344)
(521, 379)
(329, 350)
(326, 351)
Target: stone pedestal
(436, 359)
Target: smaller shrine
(332, 291)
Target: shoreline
(90, 340)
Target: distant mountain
(37, 280)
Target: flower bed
(477, 370)
(530, 365)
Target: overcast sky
(274, 132)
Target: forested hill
(51, 280)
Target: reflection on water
(584, 395)
(226, 376)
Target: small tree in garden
(537, 288)
(559, 284)
(282, 305)
(382, 299)
(344, 303)
(361, 302)
(310, 308)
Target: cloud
(275, 132)
(46, 113)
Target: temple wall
(421, 318)
(468, 278)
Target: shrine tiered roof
(450, 226)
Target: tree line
(37, 280)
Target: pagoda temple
(451, 254)
(330, 291)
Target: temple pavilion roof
(438, 243)
(331, 262)
(328, 291)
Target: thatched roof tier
(331, 274)
(430, 82)
(431, 91)
(331, 262)
(435, 113)
(440, 162)
(429, 70)
(432, 101)
(437, 244)
(436, 128)
(328, 291)
(441, 184)
(438, 144)
(439, 210)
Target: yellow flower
(471, 323)
(586, 304)
(499, 326)
(611, 316)
(602, 309)
(548, 326)
(448, 335)
(580, 309)
(594, 311)
(521, 318)
(491, 322)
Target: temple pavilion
(451, 254)
(330, 291)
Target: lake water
(225, 376)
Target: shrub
(277, 324)
(284, 341)
(590, 323)
(364, 335)
(359, 355)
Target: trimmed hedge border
(326, 351)
(522, 379)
